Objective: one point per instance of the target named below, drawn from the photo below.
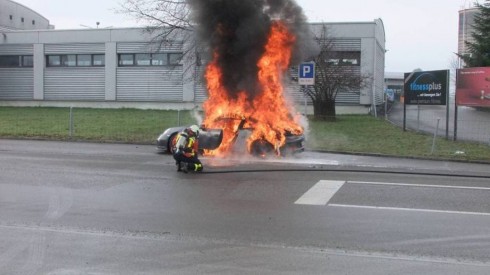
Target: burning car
(235, 130)
(246, 98)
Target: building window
(54, 61)
(126, 60)
(142, 59)
(27, 61)
(147, 59)
(33, 22)
(159, 59)
(11, 17)
(84, 60)
(346, 58)
(174, 58)
(69, 60)
(12, 61)
(22, 19)
(9, 61)
(75, 60)
(98, 60)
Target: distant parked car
(210, 139)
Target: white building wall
(372, 48)
(110, 71)
(15, 16)
(164, 87)
(39, 65)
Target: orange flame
(269, 113)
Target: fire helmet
(194, 129)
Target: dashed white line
(320, 193)
(422, 185)
(409, 209)
(324, 190)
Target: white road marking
(423, 185)
(320, 193)
(324, 190)
(409, 209)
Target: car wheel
(261, 148)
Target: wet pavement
(87, 208)
(316, 160)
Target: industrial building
(465, 28)
(15, 16)
(124, 67)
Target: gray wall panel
(16, 49)
(16, 83)
(145, 47)
(164, 84)
(85, 84)
(346, 44)
(75, 48)
(200, 89)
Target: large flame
(268, 114)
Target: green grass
(102, 125)
(359, 134)
(368, 135)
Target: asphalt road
(81, 208)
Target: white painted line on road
(320, 193)
(422, 185)
(410, 209)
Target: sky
(420, 34)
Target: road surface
(82, 208)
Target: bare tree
(335, 72)
(167, 21)
(165, 18)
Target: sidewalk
(317, 160)
(405, 165)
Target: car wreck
(237, 129)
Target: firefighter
(186, 150)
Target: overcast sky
(419, 33)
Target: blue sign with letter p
(306, 73)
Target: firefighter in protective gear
(186, 150)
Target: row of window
(139, 59)
(75, 60)
(135, 59)
(11, 61)
(343, 58)
(21, 19)
(93, 60)
(149, 59)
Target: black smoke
(237, 30)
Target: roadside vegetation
(356, 134)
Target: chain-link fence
(472, 124)
(117, 125)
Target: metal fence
(117, 125)
(472, 124)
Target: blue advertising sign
(390, 94)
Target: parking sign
(306, 73)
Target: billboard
(426, 88)
(473, 87)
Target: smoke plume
(237, 31)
